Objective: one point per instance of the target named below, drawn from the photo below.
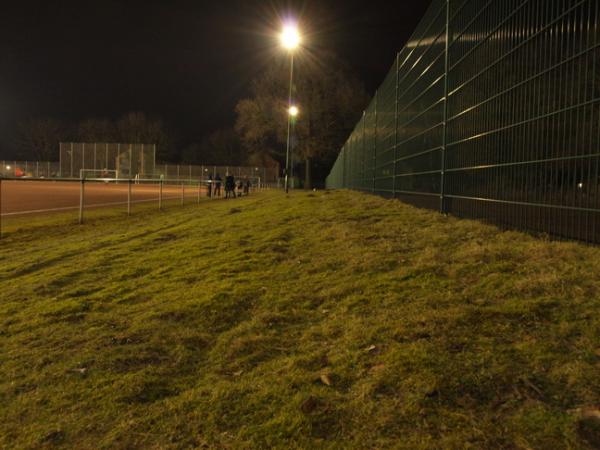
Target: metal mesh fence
(192, 172)
(492, 111)
(128, 160)
(29, 169)
(138, 161)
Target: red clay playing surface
(33, 197)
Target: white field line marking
(95, 205)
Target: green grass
(322, 320)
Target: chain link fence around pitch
(491, 111)
(125, 161)
(31, 169)
(173, 172)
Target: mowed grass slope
(322, 320)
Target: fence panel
(496, 115)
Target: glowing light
(290, 37)
(580, 185)
(293, 111)
(7, 167)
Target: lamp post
(290, 39)
(292, 113)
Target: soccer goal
(101, 174)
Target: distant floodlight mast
(290, 40)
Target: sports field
(26, 197)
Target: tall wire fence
(34, 169)
(139, 161)
(491, 111)
(125, 161)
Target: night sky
(188, 62)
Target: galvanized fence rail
(177, 190)
(490, 111)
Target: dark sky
(188, 62)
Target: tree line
(329, 96)
(38, 138)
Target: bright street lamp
(290, 39)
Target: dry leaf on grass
(325, 379)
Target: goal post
(99, 174)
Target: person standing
(229, 186)
(218, 181)
(209, 187)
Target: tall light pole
(290, 39)
(292, 113)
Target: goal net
(101, 174)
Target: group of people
(233, 189)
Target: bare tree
(96, 130)
(38, 139)
(137, 128)
(330, 99)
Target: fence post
(129, 196)
(1, 202)
(199, 186)
(160, 187)
(81, 199)
(182, 192)
(344, 167)
(375, 141)
(363, 182)
(443, 206)
(154, 158)
(396, 123)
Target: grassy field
(321, 320)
